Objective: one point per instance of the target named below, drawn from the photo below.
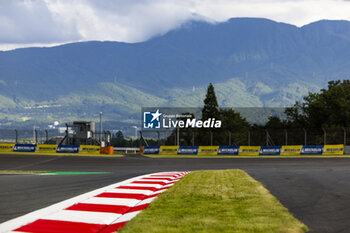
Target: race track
(315, 190)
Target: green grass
(247, 156)
(215, 201)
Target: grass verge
(215, 201)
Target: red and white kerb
(105, 211)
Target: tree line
(329, 108)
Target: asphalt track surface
(315, 190)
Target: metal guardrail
(127, 149)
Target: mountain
(252, 62)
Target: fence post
(286, 136)
(267, 137)
(192, 138)
(108, 137)
(16, 136)
(101, 129)
(178, 136)
(36, 136)
(142, 140)
(229, 138)
(324, 136)
(158, 133)
(47, 136)
(248, 138)
(41, 136)
(305, 136)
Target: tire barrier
(228, 150)
(270, 150)
(208, 150)
(49, 148)
(333, 150)
(168, 150)
(46, 148)
(151, 150)
(67, 149)
(182, 150)
(312, 150)
(7, 147)
(291, 150)
(24, 148)
(249, 150)
(245, 150)
(188, 150)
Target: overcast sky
(26, 23)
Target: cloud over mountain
(49, 22)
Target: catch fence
(256, 137)
(53, 136)
(186, 137)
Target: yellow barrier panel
(46, 148)
(208, 150)
(85, 149)
(168, 150)
(291, 150)
(333, 150)
(6, 147)
(249, 150)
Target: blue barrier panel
(24, 148)
(67, 149)
(270, 150)
(312, 150)
(188, 150)
(151, 150)
(228, 150)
